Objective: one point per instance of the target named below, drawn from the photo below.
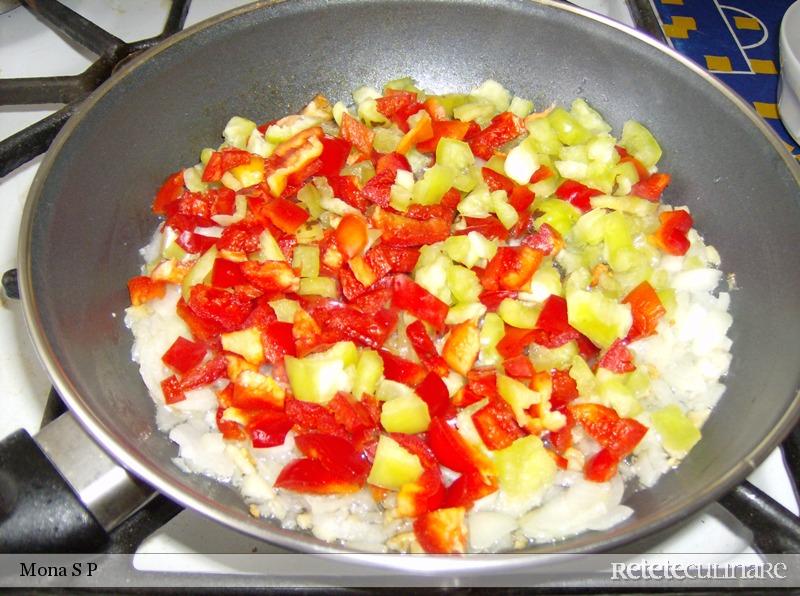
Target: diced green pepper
(393, 466)
(405, 414)
(600, 319)
(318, 286)
(678, 433)
(318, 377)
(518, 396)
(640, 143)
(199, 271)
(430, 189)
(559, 214)
(518, 314)
(524, 467)
(237, 131)
(463, 283)
(369, 371)
(569, 130)
(306, 259)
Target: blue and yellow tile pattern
(735, 40)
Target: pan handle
(60, 492)
(776, 530)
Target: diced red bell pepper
(392, 259)
(170, 191)
(442, 531)
(422, 131)
(195, 243)
(203, 329)
(334, 155)
(488, 226)
(402, 231)
(427, 493)
(451, 129)
(496, 424)
(481, 382)
(578, 194)
(646, 309)
(564, 389)
(543, 173)
(425, 350)
(205, 373)
(222, 201)
(401, 370)
(497, 181)
(310, 417)
(231, 431)
(503, 128)
(617, 359)
(312, 476)
(423, 495)
(652, 187)
(347, 189)
(359, 418)
(142, 289)
(391, 162)
(271, 276)
(398, 106)
(356, 133)
(416, 300)
(226, 274)
(240, 237)
(277, 341)
(222, 161)
(619, 435)
(284, 214)
(374, 300)
(378, 189)
(468, 488)
(351, 235)
(561, 439)
(190, 204)
(367, 331)
(268, 428)
(519, 367)
(601, 467)
(491, 299)
(434, 393)
(671, 234)
(452, 451)
(184, 355)
(511, 268)
(462, 346)
(521, 198)
(435, 109)
(553, 317)
(228, 309)
(546, 240)
(172, 390)
(335, 453)
(514, 341)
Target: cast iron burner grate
(70, 90)
(775, 529)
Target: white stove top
(29, 48)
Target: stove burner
(70, 90)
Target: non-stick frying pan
(88, 212)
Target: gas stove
(31, 47)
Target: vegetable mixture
(431, 299)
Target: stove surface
(30, 48)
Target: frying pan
(88, 211)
